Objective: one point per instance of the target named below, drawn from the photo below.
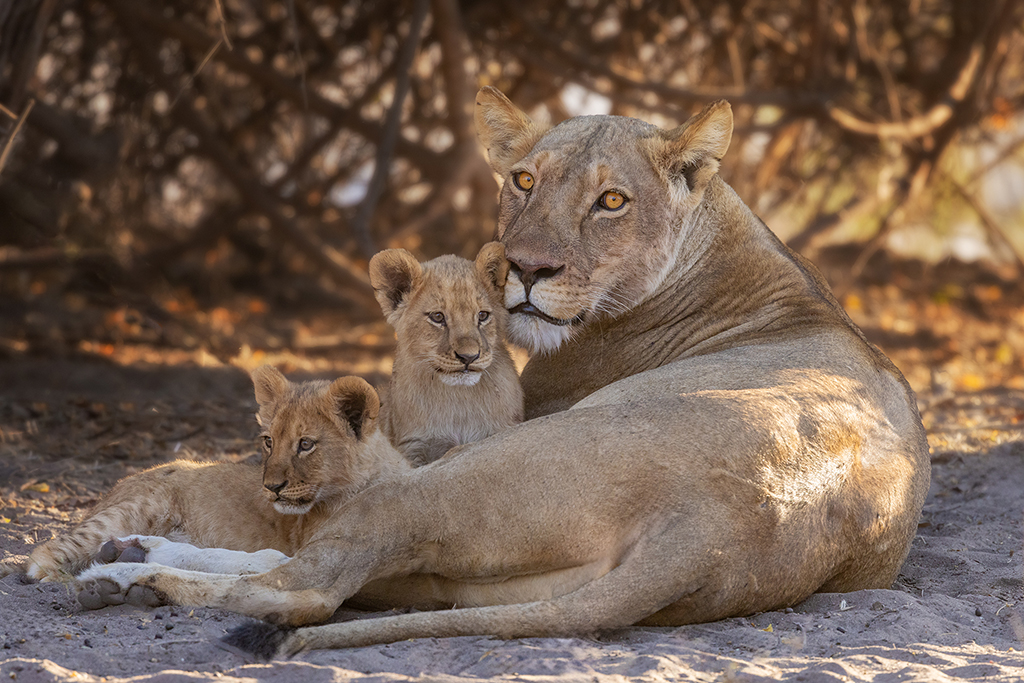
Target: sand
(955, 613)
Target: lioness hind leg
(645, 582)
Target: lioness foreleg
(259, 596)
(646, 581)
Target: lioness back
(453, 380)
(320, 444)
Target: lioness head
(312, 433)
(448, 313)
(595, 211)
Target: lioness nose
(466, 358)
(530, 273)
(275, 488)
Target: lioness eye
(306, 444)
(436, 317)
(482, 316)
(612, 200)
(523, 180)
(268, 443)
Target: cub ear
(692, 152)
(356, 403)
(393, 274)
(504, 130)
(270, 385)
(491, 265)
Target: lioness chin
(712, 436)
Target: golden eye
(482, 316)
(306, 444)
(523, 180)
(437, 317)
(612, 200)
(268, 443)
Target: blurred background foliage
(211, 176)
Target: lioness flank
(710, 434)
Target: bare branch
(338, 266)
(386, 146)
(926, 123)
(14, 133)
(988, 220)
(223, 23)
(688, 97)
(192, 77)
(196, 38)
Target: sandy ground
(955, 612)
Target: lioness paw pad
(100, 593)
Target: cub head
(312, 436)
(594, 212)
(448, 313)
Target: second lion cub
(453, 381)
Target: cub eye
(612, 200)
(306, 444)
(437, 317)
(523, 180)
(268, 443)
(482, 316)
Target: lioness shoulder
(453, 380)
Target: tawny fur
(435, 400)
(227, 505)
(712, 435)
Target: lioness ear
(270, 385)
(491, 265)
(393, 274)
(505, 131)
(356, 403)
(692, 152)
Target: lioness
(711, 434)
(320, 445)
(453, 380)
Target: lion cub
(453, 380)
(321, 444)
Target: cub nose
(530, 273)
(466, 358)
(275, 488)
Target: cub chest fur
(453, 380)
